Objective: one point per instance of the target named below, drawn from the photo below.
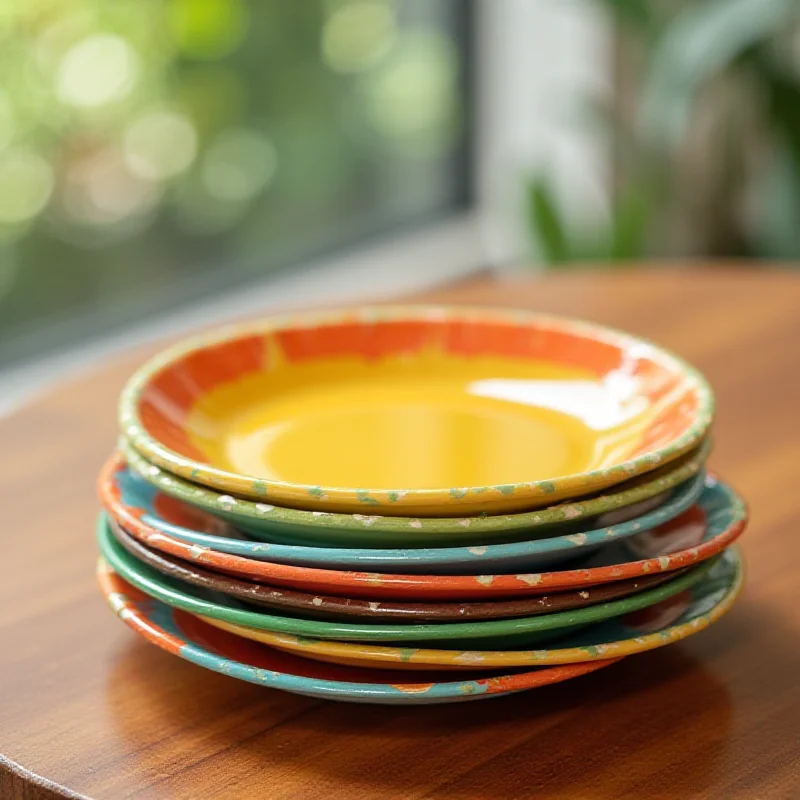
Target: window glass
(157, 151)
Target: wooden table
(88, 709)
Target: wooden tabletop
(88, 709)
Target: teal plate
(193, 640)
(189, 638)
(126, 496)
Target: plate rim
(232, 509)
(376, 632)
(386, 610)
(432, 657)
(147, 629)
(398, 500)
(375, 585)
(680, 499)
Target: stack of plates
(416, 505)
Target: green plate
(503, 633)
(292, 526)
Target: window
(153, 152)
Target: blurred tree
(152, 151)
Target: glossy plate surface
(319, 529)
(128, 497)
(425, 411)
(678, 546)
(673, 619)
(491, 633)
(191, 639)
(344, 608)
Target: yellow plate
(408, 411)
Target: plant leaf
(637, 13)
(546, 222)
(784, 107)
(630, 222)
(701, 40)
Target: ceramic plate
(342, 608)
(492, 633)
(724, 512)
(276, 524)
(125, 497)
(415, 411)
(680, 616)
(188, 637)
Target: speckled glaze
(124, 496)
(674, 619)
(314, 528)
(189, 638)
(492, 633)
(342, 608)
(724, 510)
(156, 402)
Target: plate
(189, 638)
(505, 633)
(329, 606)
(724, 510)
(125, 497)
(674, 619)
(288, 525)
(415, 411)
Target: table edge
(24, 780)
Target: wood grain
(87, 709)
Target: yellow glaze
(330, 652)
(430, 422)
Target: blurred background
(166, 163)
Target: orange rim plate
(191, 639)
(665, 549)
(671, 620)
(415, 411)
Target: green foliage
(545, 220)
(689, 50)
(635, 13)
(622, 240)
(699, 43)
(629, 222)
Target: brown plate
(341, 607)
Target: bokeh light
(97, 70)
(26, 182)
(101, 190)
(54, 39)
(10, 13)
(412, 94)
(160, 145)
(207, 29)
(144, 140)
(239, 164)
(357, 34)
